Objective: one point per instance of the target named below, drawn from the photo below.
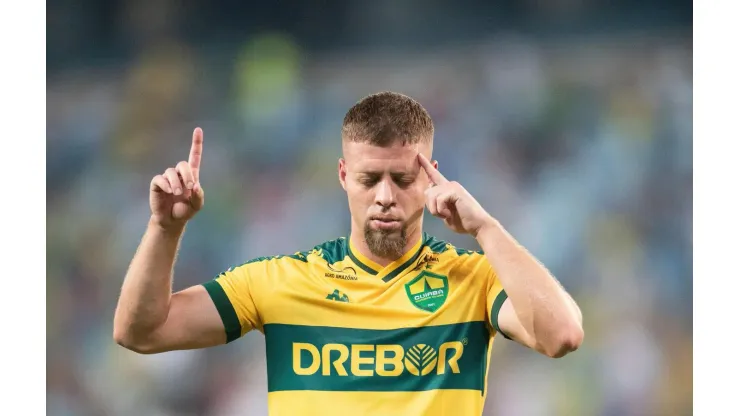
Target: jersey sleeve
(233, 292)
(495, 296)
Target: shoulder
(453, 256)
(439, 246)
(330, 251)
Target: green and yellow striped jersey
(347, 336)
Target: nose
(384, 194)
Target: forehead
(364, 157)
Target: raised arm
(149, 318)
(538, 312)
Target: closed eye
(369, 180)
(403, 181)
(400, 179)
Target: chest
(337, 329)
(341, 296)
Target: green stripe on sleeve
(495, 309)
(225, 309)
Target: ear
(342, 172)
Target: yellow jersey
(346, 336)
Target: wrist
(487, 229)
(173, 229)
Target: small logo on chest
(426, 261)
(338, 296)
(428, 291)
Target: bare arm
(149, 318)
(539, 313)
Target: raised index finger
(434, 175)
(196, 150)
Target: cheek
(414, 199)
(359, 197)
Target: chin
(386, 242)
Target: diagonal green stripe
(225, 310)
(362, 265)
(403, 267)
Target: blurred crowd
(581, 147)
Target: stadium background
(570, 120)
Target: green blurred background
(569, 120)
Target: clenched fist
(176, 195)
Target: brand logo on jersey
(428, 291)
(427, 260)
(346, 273)
(376, 360)
(338, 296)
(420, 359)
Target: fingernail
(178, 191)
(190, 185)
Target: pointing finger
(196, 151)
(434, 175)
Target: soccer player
(388, 321)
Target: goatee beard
(386, 244)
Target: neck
(357, 236)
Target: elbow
(120, 333)
(125, 338)
(565, 342)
